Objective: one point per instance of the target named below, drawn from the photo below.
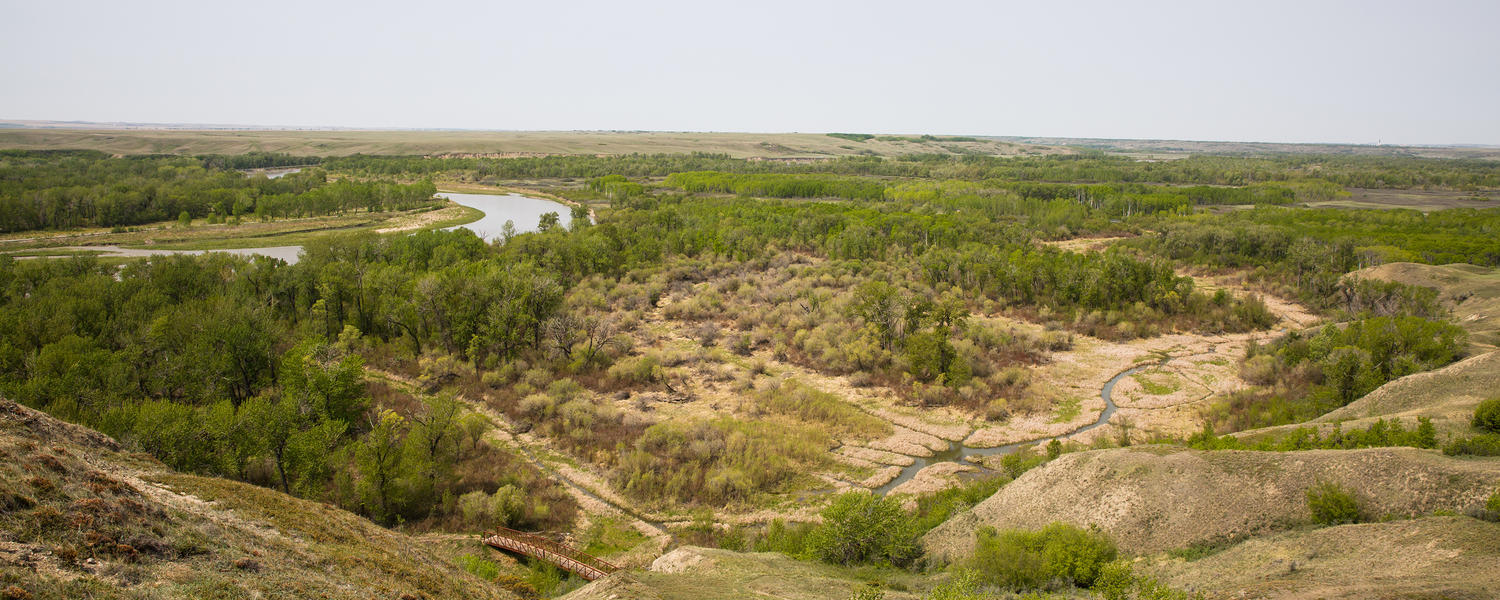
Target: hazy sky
(1306, 71)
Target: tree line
(48, 190)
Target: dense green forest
(61, 190)
(1289, 170)
(886, 270)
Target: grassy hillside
(1152, 499)
(80, 518)
(1471, 292)
(1448, 396)
(515, 143)
(1433, 557)
(691, 573)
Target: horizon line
(76, 124)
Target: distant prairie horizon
(1344, 72)
(247, 127)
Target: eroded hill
(1432, 557)
(1157, 498)
(79, 517)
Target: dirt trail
(591, 494)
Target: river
(958, 452)
(522, 211)
(525, 212)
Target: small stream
(957, 452)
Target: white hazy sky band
(1309, 71)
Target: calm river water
(526, 213)
(523, 211)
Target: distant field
(1423, 200)
(339, 143)
(1170, 147)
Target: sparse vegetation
(1056, 556)
(1380, 434)
(1332, 504)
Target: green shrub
(1484, 444)
(1057, 555)
(479, 567)
(864, 528)
(1332, 504)
(790, 540)
(867, 592)
(1493, 504)
(1487, 415)
(963, 586)
(935, 508)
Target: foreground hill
(1432, 557)
(692, 573)
(81, 518)
(1157, 498)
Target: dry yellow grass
(1471, 292)
(496, 143)
(1433, 557)
(1155, 498)
(204, 537)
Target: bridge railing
(587, 566)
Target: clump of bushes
(1380, 434)
(806, 403)
(864, 528)
(504, 508)
(1484, 444)
(1487, 415)
(1054, 557)
(1487, 442)
(1332, 504)
(479, 567)
(724, 461)
(1301, 377)
(1490, 511)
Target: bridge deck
(568, 559)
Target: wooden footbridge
(540, 548)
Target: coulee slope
(79, 517)
(1156, 498)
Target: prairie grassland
(497, 143)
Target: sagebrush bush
(1332, 504)
(1487, 415)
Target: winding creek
(959, 453)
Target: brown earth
(1431, 557)
(1151, 499)
(155, 533)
